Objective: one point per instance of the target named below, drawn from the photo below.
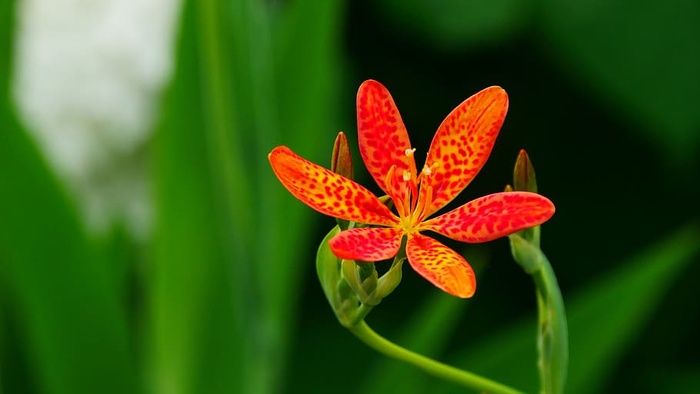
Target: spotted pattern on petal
(326, 191)
(366, 244)
(441, 266)
(493, 216)
(463, 143)
(382, 135)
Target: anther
(409, 152)
(406, 176)
(426, 170)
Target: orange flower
(459, 149)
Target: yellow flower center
(411, 199)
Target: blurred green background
(221, 296)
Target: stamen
(389, 175)
(426, 170)
(409, 152)
(414, 195)
(396, 190)
(425, 201)
(406, 176)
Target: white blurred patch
(88, 75)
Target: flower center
(410, 198)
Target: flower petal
(326, 191)
(462, 145)
(367, 244)
(440, 265)
(382, 135)
(493, 216)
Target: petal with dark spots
(441, 266)
(328, 192)
(493, 216)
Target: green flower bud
(341, 159)
(341, 296)
(341, 163)
(525, 253)
(362, 278)
(524, 179)
(390, 280)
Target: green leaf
(640, 57)
(194, 347)
(70, 318)
(679, 380)
(457, 24)
(228, 236)
(604, 319)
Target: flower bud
(341, 164)
(524, 180)
(362, 278)
(341, 296)
(524, 174)
(341, 159)
(390, 280)
(525, 253)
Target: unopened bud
(525, 253)
(341, 164)
(390, 280)
(341, 159)
(524, 179)
(362, 277)
(341, 296)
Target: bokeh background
(145, 245)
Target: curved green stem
(553, 337)
(435, 368)
(359, 316)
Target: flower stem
(359, 315)
(435, 368)
(552, 339)
(552, 333)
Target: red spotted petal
(493, 216)
(367, 244)
(441, 266)
(326, 191)
(462, 145)
(382, 135)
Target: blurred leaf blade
(640, 63)
(304, 39)
(455, 25)
(70, 317)
(238, 200)
(599, 334)
(195, 171)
